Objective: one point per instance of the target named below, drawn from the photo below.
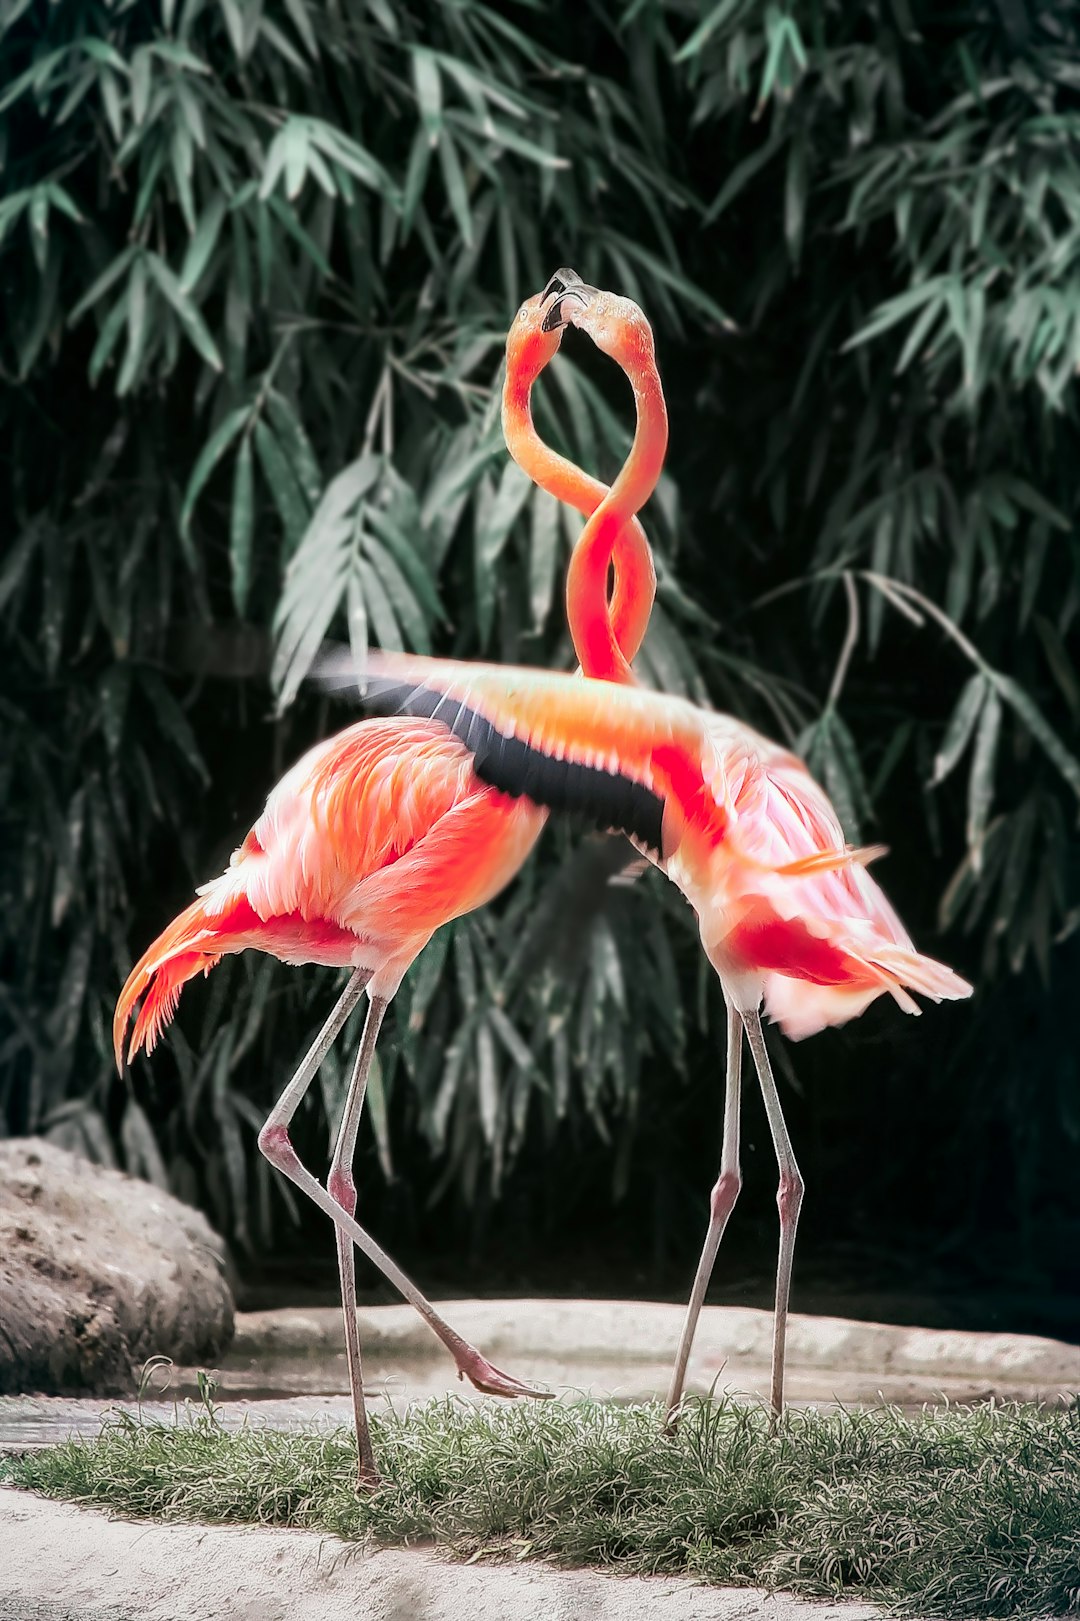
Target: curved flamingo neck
(597, 649)
(635, 575)
(542, 465)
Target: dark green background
(245, 248)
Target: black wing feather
(603, 799)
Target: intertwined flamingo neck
(598, 651)
(528, 351)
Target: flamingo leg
(721, 1204)
(275, 1144)
(341, 1187)
(789, 1197)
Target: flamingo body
(787, 912)
(372, 841)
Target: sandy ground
(71, 1564)
(286, 1369)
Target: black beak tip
(554, 319)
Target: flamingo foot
(483, 1375)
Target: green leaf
(202, 244)
(1040, 729)
(492, 529)
(961, 725)
(543, 555)
(379, 1114)
(113, 692)
(293, 508)
(456, 192)
(356, 620)
(981, 780)
(487, 1083)
(172, 722)
(109, 336)
(795, 189)
(283, 213)
(37, 218)
(412, 564)
(1061, 666)
(301, 21)
(241, 528)
(705, 29)
(211, 453)
(100, 287)
(416, 175)
(316, 578)
(381, 611)
(189, 317)
(136, 327)
(428, 87)
(894, 310)
(297, 446)
(141, 82)
(18, 558)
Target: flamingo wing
(372, 841)
(736, 821)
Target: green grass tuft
(956, 1512)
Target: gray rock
(98, 1272)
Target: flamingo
(789, 917)
(372, 841)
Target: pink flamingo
(788, 915)
(371, 842)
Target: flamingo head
(533, 339)
(616, 325)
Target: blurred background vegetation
(257, 261)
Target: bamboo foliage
(258, 264)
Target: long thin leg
(721, 1204)
(789, 1198)
(341, 1187)
(275, 1144)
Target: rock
(98, 1272)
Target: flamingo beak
(559, 314)
(560, 281)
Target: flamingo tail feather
(184, 949)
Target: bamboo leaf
(109, 336)
(136, 328)
(242, 527)
(172, 722)
(960, 727)
(705, 29)
(492, 528)
(292, 506)
(981, 781)
(1040, 729)
(202, 244)
(456, 191)
(380, 1116)
(894, 310)
(487, 1083)
(208, 458)
(301, 21)
(297, 446)
(543, 555)
(428, 86)
(189, 317)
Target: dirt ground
(70, 1564)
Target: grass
(956, 1512)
